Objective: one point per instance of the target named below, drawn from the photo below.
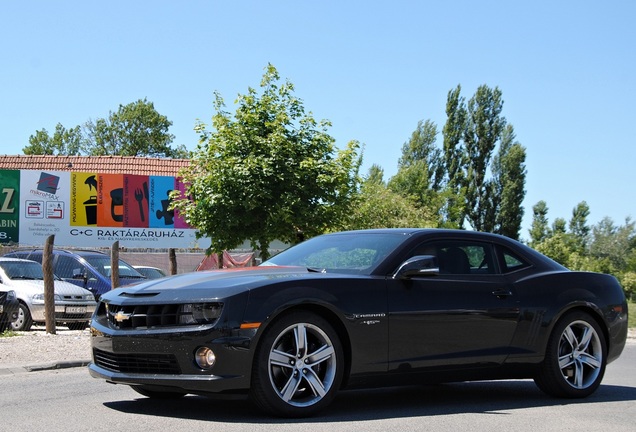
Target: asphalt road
(70, 400)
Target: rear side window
(512, 262)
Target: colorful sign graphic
(91, 210)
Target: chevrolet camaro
(363, 309)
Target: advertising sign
(91, 210)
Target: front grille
(131, 317)
(137, 363)
(67, 297)
(127, 317)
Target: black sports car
(363, 309)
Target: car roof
(80, 252)
(9, 259)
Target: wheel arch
(590, 309)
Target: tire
(157, 394)
(575, 358)
(24, 321)
(298, 366)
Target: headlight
(40, 297)
(11, 295)
(199, 313)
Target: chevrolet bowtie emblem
(121, 316)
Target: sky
(566, 70)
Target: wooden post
(49, 285)
(173, 261)
(114, 265)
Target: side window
(512, 262)
(460, 258)
(67, 267)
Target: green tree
(558, 246)
(377, 206)
(540, 229)
(612, 246)
(420, 169)
(508, 185)
(484, 127)
(454, 211)
(135, 129)
(269, 172)
(67, 142)
(422, 148)
(376, 175)
(578, 225)
(559, 226)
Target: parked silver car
(74, 305)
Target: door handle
(502, 293)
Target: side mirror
(419, 265)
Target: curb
(45, 366)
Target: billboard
(85, 209)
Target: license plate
(75, 309)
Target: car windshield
(102, 265)
(24, 270)
(357, 253)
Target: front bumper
(165, 358)
(64, 311)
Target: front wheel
(575, 358)
(24, 321)
(298, 366)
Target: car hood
(210, 284)
(30, 287)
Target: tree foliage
(508, 185)
(540, 229)
(604, 247)
(269, 172)
(135, 129)
(477, 177)
(66, 142)
(378, 206)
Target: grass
(8, 333)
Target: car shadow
(377, 404)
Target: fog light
(205, 357)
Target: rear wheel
(575, 359)
(298, 366)
(24, 321)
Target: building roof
(97, 164)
